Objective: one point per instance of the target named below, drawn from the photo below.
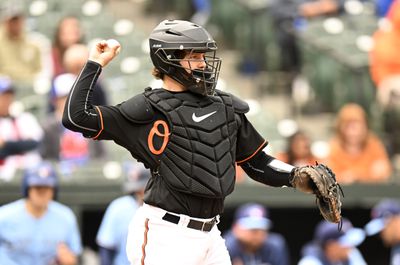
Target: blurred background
(321, 78)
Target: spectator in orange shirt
(356, 153)
(298, 150)
(384, 57)
(385, 71)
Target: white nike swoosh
(200, 118)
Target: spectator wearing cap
(113, 231)
(9, 147)
(36, 229)
(20, 134)
(250, 242)
(20, 56)
(386, 221)
(59, 144)
(333, 246)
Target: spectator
(385, 72)
(36, 229)
(60, 144)
(382, 7)
(8, 148)
(356, 153)
(332, 246)
(21, 131)
(201, 11)
(250, 242)
(386, 221)
(20, 57)
(12, 147)
(287, 15)
(68, 32)
(113, 231)
(298, 151)
(384, 59)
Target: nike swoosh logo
(202, 117)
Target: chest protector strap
(199, 158)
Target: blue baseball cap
(380, 214)
(348, 236)
(6, 85)
(253, 216)
(41, 175)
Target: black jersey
(145, 135)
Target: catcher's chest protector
(200, 156)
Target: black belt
(194, 224)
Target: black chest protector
(200, 156)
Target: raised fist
(104, 51)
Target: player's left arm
(255, 162)
(268, 170)
(316, 179)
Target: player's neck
(172, 85)
(34, 210)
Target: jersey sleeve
(249, 141)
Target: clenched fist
(104, 51)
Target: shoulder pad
(137, 109)
(239, 105)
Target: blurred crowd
(39, 66)
(38, 69)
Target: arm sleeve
(79, 113)
(259, 168)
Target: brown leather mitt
(321, 181)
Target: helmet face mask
(173, 48)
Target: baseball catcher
(191, 136)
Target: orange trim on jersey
(154, 131)
(101, 123)
(146, 230)
(258, 149)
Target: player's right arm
(79, 113)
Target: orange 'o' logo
(154, 131)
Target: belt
(194, 224)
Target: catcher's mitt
(321, 181)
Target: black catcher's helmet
(168, 43)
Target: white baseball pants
(154, 241)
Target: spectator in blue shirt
(332, 246)
(36, 230)
(386, 221)
(250, 242)
(113, 231)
